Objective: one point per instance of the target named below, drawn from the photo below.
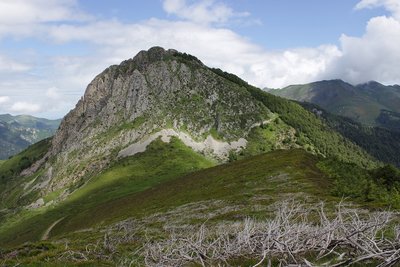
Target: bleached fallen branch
(347, 237)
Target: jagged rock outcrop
(157, 89)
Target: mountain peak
(155, 54)
(158, 92)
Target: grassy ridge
(159, 187)
(239, 183)
(310, 130)
(228, 192)
(309, 127)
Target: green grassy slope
(238, 183)
(146, 184)
(171, 185)
(225, 192)
(161, 162)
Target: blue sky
(51, 49)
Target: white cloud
(53, 93)
(373, 56)
(14, 12)
(4, 99)
(28, 95)
(25, 107)
(9, 65)
(216, 47)
(203, 11)
(293, 66)
(25, 18)
(392, 6)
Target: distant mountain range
(18, 132)
(370, 103)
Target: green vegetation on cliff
(310, 130)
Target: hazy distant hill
(18, 132)
(371, 103)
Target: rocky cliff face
(158, 93)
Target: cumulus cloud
(25, 107)
(9, 65)
(293, 66)
(53, 93)
(26, 17)
(374, 56)
(37, 11)
(216, 47)
(392, 6)
(356, 59)
(203, 11)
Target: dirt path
(46, 234)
